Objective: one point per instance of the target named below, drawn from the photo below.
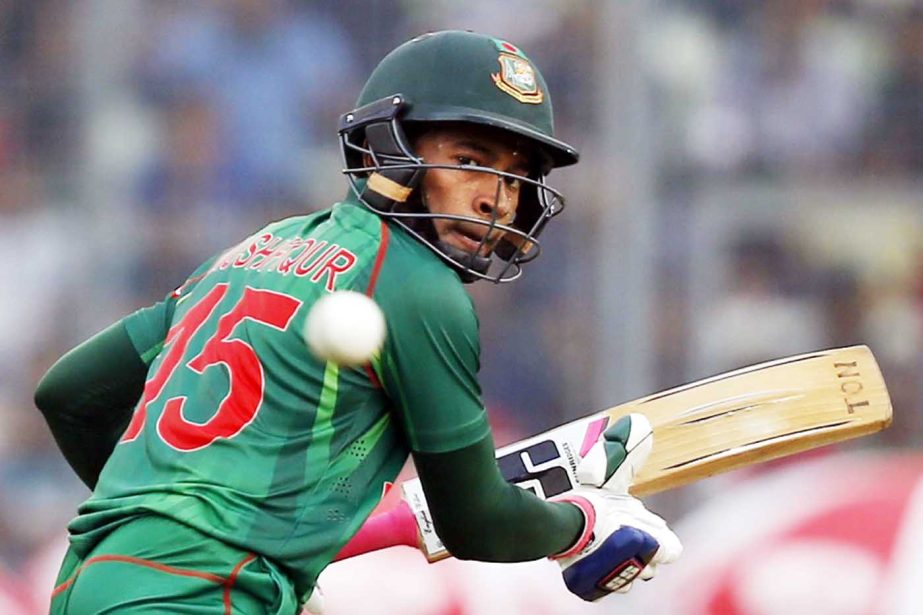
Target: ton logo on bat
(851, 386)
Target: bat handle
(392, 528)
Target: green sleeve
(87, 398)
(430, 361)
(429, 368)
(147, 328)
(480, 516)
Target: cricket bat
(715, 425)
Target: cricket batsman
(229, 465)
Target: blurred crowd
(138, 137)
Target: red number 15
(245, 372)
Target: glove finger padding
(628, 541)
(649, 572)
(614, 460)
(625, 541)
(627, 510)
(625, 589)
(614, 563)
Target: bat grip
(395, 527)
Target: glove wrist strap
(589, 522)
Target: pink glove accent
(589, 522)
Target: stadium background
(750, 188)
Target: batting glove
(622, 540)
(315, 604)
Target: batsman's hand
(622, 540)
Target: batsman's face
(464, 191)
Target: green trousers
(155, 565)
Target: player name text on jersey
(299, 256)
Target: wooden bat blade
(760, 413)
(701, 429)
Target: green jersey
(244, 435)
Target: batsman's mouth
(471, 240)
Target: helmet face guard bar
(383, 172)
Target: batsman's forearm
(87, 398)
(478, 515)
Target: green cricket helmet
(451, 77)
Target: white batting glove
(315, 604)
(622, 540)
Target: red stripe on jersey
(373, 280)
(182, 288)
(126, 559)
(233, 579)
(227, 583)
(379, 258)
(372, 377)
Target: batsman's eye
(466, 161)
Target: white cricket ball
(345, 327)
